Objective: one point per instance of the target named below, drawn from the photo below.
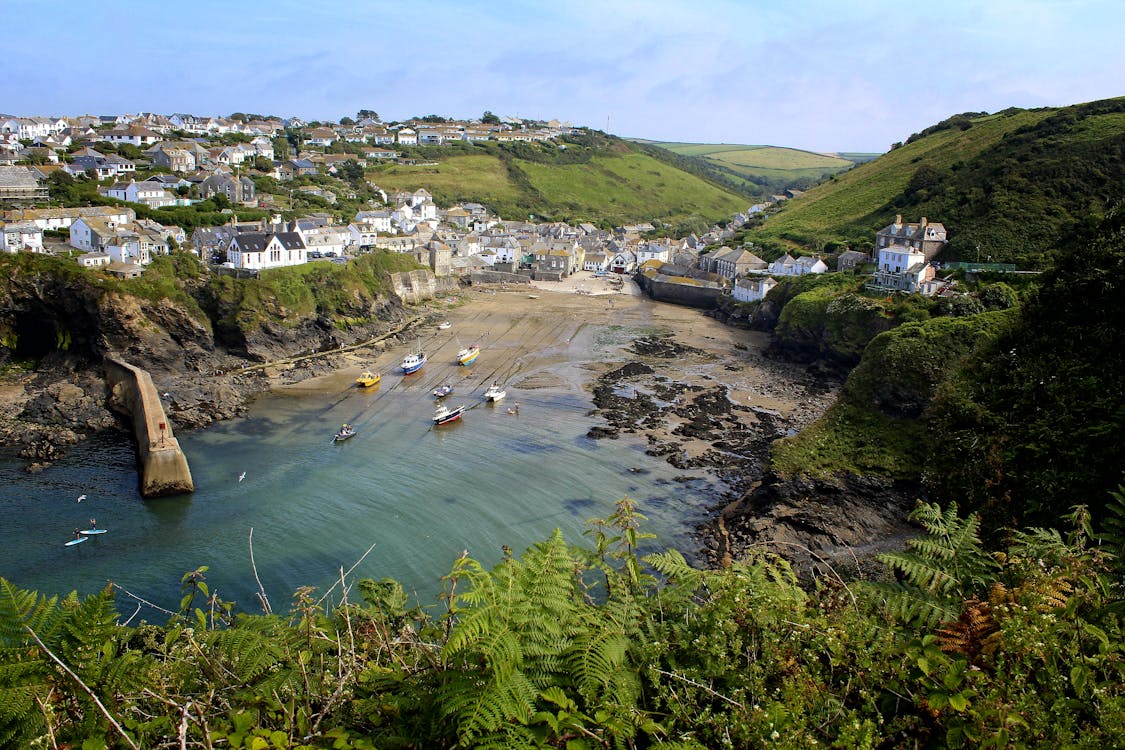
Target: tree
(367, 113)
(489, 119)
(347, 121)
(239, 116)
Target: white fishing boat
(494, 393)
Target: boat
(346, 431)
(445, 326)
(468, 355)
(444, 415)
(533, 296)
(443, 391)
(413, 362)
(494, 393)
(368, 379)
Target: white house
(127, 248)
(150, 194)
(595, 262)
(898, 258)
(810, 264)
(624, 261)
(63, 218)
(407, 137)
(653, 251)
(752, 289)
(787, 265)
(325, 239)
(93, 260)
(259, 250)
(17, 236)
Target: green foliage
(1038, 414)
(939, 570)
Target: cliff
(59, 324)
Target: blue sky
(824, 76)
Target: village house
(752, 289)
(787, 265)
(94, 260)
(236, 189)
(175, 159)
(849, 260)
(62, 218)
(134, 135)
(328, 240)
(21, 184)
(99, 166)
(407, 137)
(258, 250)
(321, 137)
(20, 236)
(925, 237)
(147, 193)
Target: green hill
(595, 178)
(765, 169)
(1014, 183)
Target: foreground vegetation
(591, 647)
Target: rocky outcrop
(841, 522)
(70, 322)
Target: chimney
(898, 220)
(923, 224)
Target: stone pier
(162, 465)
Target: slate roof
(256, 242)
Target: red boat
(444, 415)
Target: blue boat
(413, 362)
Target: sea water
(307, 508)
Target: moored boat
(443, 391)
(368, 379)
(446, 325)
(346, 431)
(494, 393)
(444, 415)
(413, 362)
(468, 355)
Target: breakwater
(161, 464)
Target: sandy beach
(702, 394)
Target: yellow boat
(368, 379)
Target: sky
(816, 75)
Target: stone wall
(162, 464)
(413, 287)
(498, 277)
(690, 292)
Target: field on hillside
(612, 189)
(768, 162)
(850, 206)
(480, 178)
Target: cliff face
(64, 322)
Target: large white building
(258, 250)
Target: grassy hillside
(1014, 183)
(595, 178)
(765, 168)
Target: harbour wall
(413, 287)
(162, 465)
(680, 291)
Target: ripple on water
(421, 496)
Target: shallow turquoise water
(421, 495)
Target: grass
(609, 189)
(846, 207)
(778, 163)
(627, 187)
(481, 178)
